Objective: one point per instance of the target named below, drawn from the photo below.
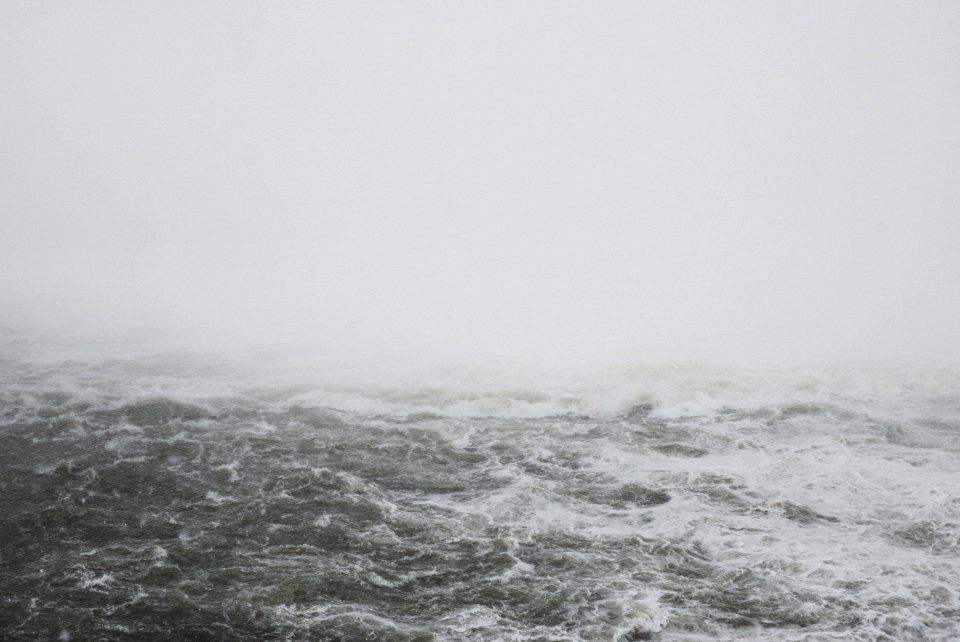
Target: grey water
(199, 496)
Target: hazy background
(677, 180)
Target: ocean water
(158, 494)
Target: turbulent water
(186, 496)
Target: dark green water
(152, 497)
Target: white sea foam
(92, 580)
(833, 492)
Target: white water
(797, 503)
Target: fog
(731, 182)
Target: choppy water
(186, 496)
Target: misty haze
(479, 321)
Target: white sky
(676, 180)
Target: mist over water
(743, 183)
(479, 321)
